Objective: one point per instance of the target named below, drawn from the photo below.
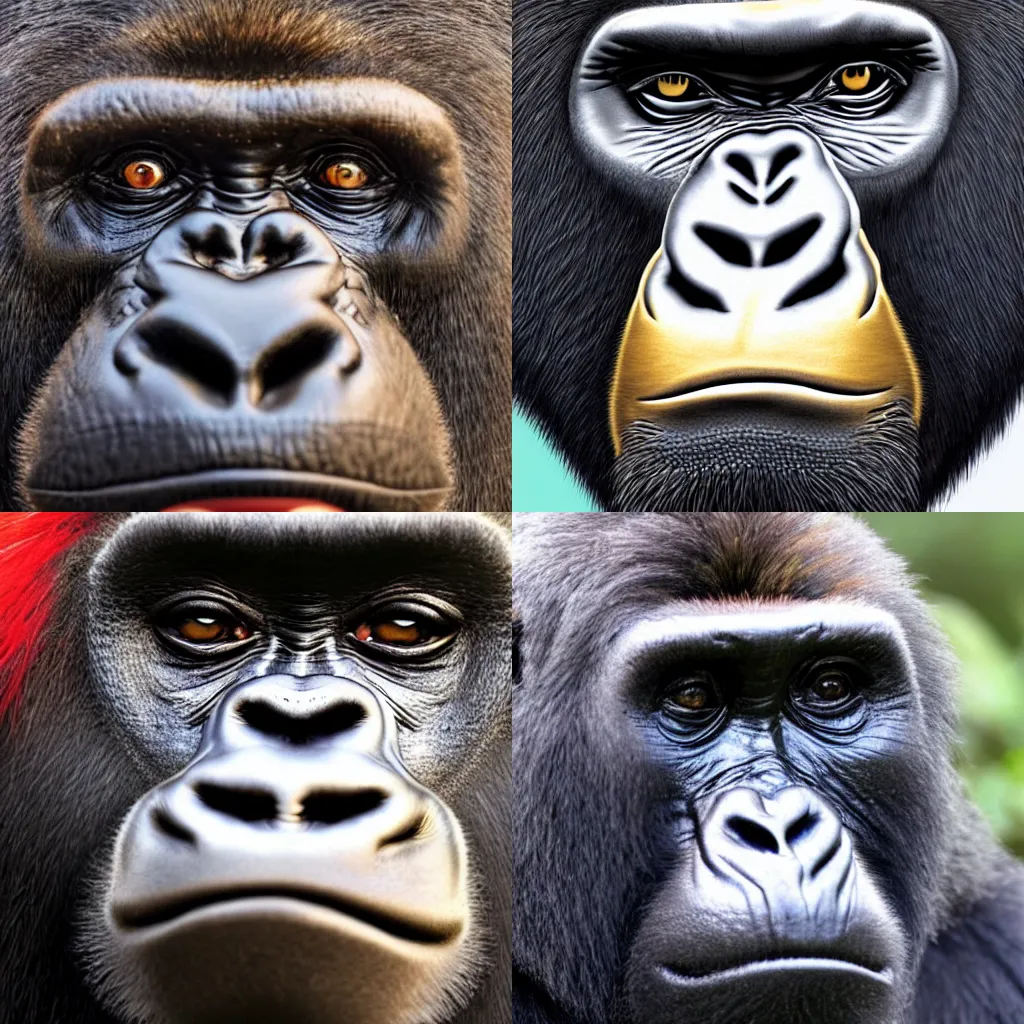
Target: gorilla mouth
(225, 490)
(792, 390)
(775, 965)
(283, 900)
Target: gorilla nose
(248, 315)
(282, 757)
(756, 834)
(765, 225)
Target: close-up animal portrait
(755, 781)
(768, 253)
(255, 768)
(255, 255)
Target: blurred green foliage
(971, 569)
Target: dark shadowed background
(971, 568)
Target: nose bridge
(306, 711)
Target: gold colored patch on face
(673, 86)
(836, 362)
(856, 79)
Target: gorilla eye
(203, 627)
(143, 175)
(670, 95)
(415, 629)
(673, 86)
(344, 175)
(863, 90)
(856, 79)
(694, 695)
(832, 686)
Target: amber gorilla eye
(344, 175)
(856, 79)
(832, 686)
(694, 695)
(143, 175)
(395, 632)
(208, 629)
(673, 86)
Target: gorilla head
(793, 212)
(260, 772)
(735, 793)
(261, 256)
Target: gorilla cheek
(772, 908)
(293, 843)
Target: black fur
(593, 836)
(949, 246)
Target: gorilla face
(764, 303)
(314, 697)
(772, 902)
(275, 266)
(736, 801)
(748, 160)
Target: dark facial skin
(283, 262)
(771, 726)
(312, 716)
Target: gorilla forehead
(453, 539)
(613, 571)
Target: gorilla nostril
(288, 361)
(782, 160)
(404, 835)
(780, 192)
(807, 822)
(192, 356)
(210, 246)
(326, 808)
(163, 822)
(332, 721)
(275, 248)
(243, 804)
(818, 285)
(730, 247)
(738, 162)
(693, 294)
(743, 194)
(785, 246)
(751, 834)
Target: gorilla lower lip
(254, 505)
(773, 966)
(285, 900)
(242, 490)
(823, 397)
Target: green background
(540, 481)
(971, 566)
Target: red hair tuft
(30, 545)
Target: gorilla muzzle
(764, 291)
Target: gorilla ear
(30, 545)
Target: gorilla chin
(749, 456)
